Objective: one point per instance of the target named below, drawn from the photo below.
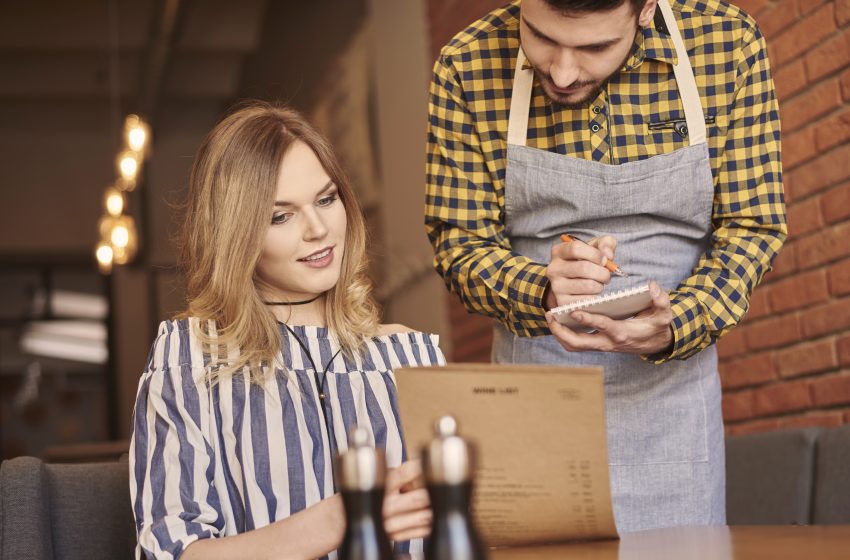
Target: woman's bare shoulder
(392, 328)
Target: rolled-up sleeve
(172, 459)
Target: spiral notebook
(621, 304)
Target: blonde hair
(232, 189)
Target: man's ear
(647, 13)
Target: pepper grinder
(362, 471)
(448, 462)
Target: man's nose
(564, 69)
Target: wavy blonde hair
(231, 195)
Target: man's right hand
(577, 270)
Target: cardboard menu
(542, 464)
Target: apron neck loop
(524, 81)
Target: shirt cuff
(689, 332)
(528, 317)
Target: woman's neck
(312, 313)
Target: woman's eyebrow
(329, 185)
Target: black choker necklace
(293, 302)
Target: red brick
(831, 390)
(751, 370)
(803, 35)
(808, 6)
(826, 319)
(842, 346)
(839, 278)
(828, 245)
(757, 426)
(804, 217)
(814, 420)
(777, 18)
(476, 349)
(738, 405)
(818, 174)
(798, 147)
(842, 12)
(801, 290)
(782, 397)
(784, 263)
(790, 79)
(828, 57)
(752, 7)
(733, 343)
(807, 358)
(773, 332)
(759, 303)
(833, 130)
(835, 203)
(844, 81)
(806, 108)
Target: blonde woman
(247, 398)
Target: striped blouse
(212, 463)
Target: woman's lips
(319, 259)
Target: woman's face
(305, 242)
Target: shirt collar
(651, 43)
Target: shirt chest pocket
(672, 126)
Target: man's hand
(648, 332)
(577, 270)
(407, 509)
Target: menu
(539, 432)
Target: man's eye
(281, 217)
(328, 200)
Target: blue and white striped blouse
(211, 463)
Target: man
(651, 132)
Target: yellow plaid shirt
(632, 119)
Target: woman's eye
(281, 217)
(328, 200)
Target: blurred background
(73, 339)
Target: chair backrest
(68, 511)
(832, 477)
(769, 477)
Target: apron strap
(685, 79)
(521, 99)
(524, 80)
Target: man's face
(574, 55)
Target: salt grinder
(362, 470)
(448, 463)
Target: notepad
(621, 304)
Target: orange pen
(610, 265)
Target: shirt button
(597, 109)
(594, 127)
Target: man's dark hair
(585, 6)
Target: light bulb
(128, 165)
(113, 199)
(136, 133)
(104, 257)
(120, 236)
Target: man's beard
(561, 101)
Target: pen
(610, 265)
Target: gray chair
(832, 477)
(769, 477)
(67, 511)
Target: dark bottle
(448, 465)
(362, 470)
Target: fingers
(606, 244)
(405, 477)
(396, 504)
(415, 521)
(408, 515)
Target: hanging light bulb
(128, 165)
(113, 200)
(104, 255)
(124, 239)
(136, 133)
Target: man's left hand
(648, 332)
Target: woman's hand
(407, 509)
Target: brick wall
(788, 364)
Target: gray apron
(665, 430)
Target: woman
(248, 397)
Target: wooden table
(742, 542)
